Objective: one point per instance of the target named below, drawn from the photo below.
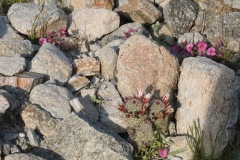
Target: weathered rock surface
(84, 21)
(88, 92)
(52, 98)
(82, 138)
(47, 2)
(25, 80)
(108, 59)
(110, 116)
(207, 94)
(120, 32)
(11, 65)
(86, 106)
(10, 99)
(141, 11)
(52, 62)
(191, 37)
(16, 48)
(77, 82)
(4, 104)
(23, 156)
(233, 3)
(87, 66)
(180, 15)
(37, 119)
(142, 64)
(107, 4)
(33, 138)
(6, 31)
(226, 29)
(22, 18)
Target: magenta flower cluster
(53, 37)
(198, 49)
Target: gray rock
(227, 29)
(23, 18)
(191, 37)
(207, 94)
(6, 31)
(14, 149)
(83, 22)
(83, 138)
(120, 32)
(4, 104)
(180, 15)
(77, 82)
(11, 100)
(10, 65)
(23, 156)
(52, 62)
(107, 4)
(110, 116)
(16, 48)
(47, 2)
(36, 118)
(233, 3)
(6, 149)
(33, 137)
(52, 98)
(115, 44)
(86, 106)
(88, 92)
(108, 59)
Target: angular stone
(86, 106)
(111, 117)
(180, 16)
(52, 98)
(11, 100)
(10, 65)
(6, 31)
(37, 119)
(87, 66)
(233, 3)
(227, 29)
(77, 82)
(191, 37)
(52, 62)
(23, 18)
(25, 80)
(108, 59)
(142, 64)
(83, 21)
(88, 92)
(141, 11)
(22, 48)
(4, 105)
(23, 156)
(33, 138)
(83, 138)
(107, 4)
(208, 95)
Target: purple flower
(189, 47)
(63, 31)
(202, 46)
(42, 41)
(175, 49)
(163, 153)
(130, 30)
(211, 51)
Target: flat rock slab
(23, 18)
(25, 80)
(83, 21)
(22, 48)
(23, 156)
(77, 82)
(52, 62)
(208, 95)
(11, 65)
(83, 138)
(87, 66)
(52, 98)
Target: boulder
(22, 48)
(107, 4)
(83, 23)
(207, 95)
(52, 98)
(141, 11)
(11, 65)
(142, 64)
(83, 138)
(38, 119)
(23, 156)
(51, 61)
(180, 16)
(233, 3)
(28, 19)
(87, 66)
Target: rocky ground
(66, 67)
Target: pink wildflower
(139, 93)
(175, 49)
(219, 55)
(42, 41)
(189, 47)
(49, 39)
(63, 31)
(211, 51)
(146, 98)
(165, 99)
(202, 46)
(163, 153)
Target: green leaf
(177, 151)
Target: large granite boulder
(207, 94)
(11, 65)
